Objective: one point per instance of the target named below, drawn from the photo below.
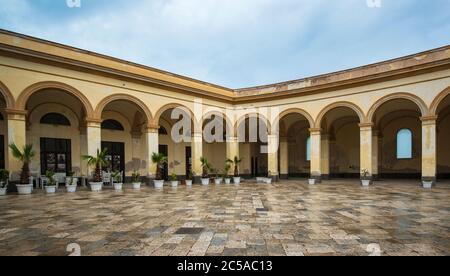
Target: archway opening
(175, 142)
(215, 135)
(252, 133)
(55, 128)
(443, 138)
(295, 147)
(340, 144)
(398, 136)
(124, 125)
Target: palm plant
(4, 177)
(25, 155)
(97, 162)
(51, 178)
(226, 170)
(236, 162)
(159, 160)
(206, 167)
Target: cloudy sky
(238, 43)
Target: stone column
(94, 140)
(16, 135)
(272, 156)
(232, 145)
(375, 154)
(429, 163)
(325, 154)
(316, 155)
(366, 148)
(152, 140)
(197, 153)
(284, 158)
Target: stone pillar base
(284, 176)
(318, 178)
(197, 180)
(275, 178)
(325, 177)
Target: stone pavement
(336, 217)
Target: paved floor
(288, 218)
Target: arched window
(162, 131)
(404, 144)
(308, 149)
(55, 119)
(112, 125)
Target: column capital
(428, 119)
(315, 130)
(93, 122)
(151, 128)
(366, 125)
(11, 111)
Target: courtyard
(337, 217)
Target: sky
(238, 43)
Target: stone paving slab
(290, 218)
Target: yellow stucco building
(391, 119)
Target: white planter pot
(50, 189)
(189, 183)
(268, 180)
(365, 183)
(260, 180)
(71, 188)
(136, 186)
(218, 181)
(2, 191)
(237, 180)
(25, 189)
(159, 184)
(312, 181)
(118, 186)
(96, 186)
(205, 181)
(174, 184)
(74, 182)
(227, 180)
(427, 184)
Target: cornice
(420, 63)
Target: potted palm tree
(174, 180)
(159, 160)
(71, 182)
(365, 178)
(97, 162)
(25, 155)
(136, 180)
(117, 180)
(205, 168)
(226, 173)
(189, 179)
(236, 162)
(217, 179)
(50, 186)
(4, 178)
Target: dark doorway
(164, 149)
(115, 156)
(56, 155)
(2, 152)
(188, 160)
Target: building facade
(390, 119)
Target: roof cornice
(28, 47)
